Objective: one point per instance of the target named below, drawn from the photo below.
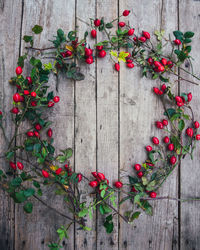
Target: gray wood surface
(107, 119)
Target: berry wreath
(34, 161)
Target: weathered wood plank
(10, 18)
(107, 121)
(36, 230)
(139, 109)
(85, 123)
(189, 12)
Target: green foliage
(37, 29)
(108, 224)
(28, 207)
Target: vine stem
(40, 49)
(172, 198)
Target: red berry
(79, 177)
(117, 66)
(142, 39)
(157, 64)
(196, 124)
(156, 90)
(89, 60)
(133, 189)
(189, 132)
(180, 104)
(93, 184)
(102, 53)
(164, 61)
(38, 126)
(150, 60)
(177, 42)
(126, 12)
(163, 87)
(20, 165)
(166, 139)
(67, 167)
(160, 92)
(36, 133)
(56, 99)
(165, 122)
(159, 125)
(189, 97)
(12, 165)
(26, 92)
(14, 110)
(33, 94)
(130, 65)
(170, 64)
(33, 103)
(93, 33)
(16, 97)
(140, 174)
(170, 147)
(131, 32)
(197, 137)
(50, 132)
(155, 140)
(146, 34)
(63, 54)
(173, 160)
(148, 148)
(88, 52)
(153, 194)
(161, 68)
(58, 171)
(45, 174)
(101, 176)
(68, 53)
(178, 99)
(18, 70)
(29, 79)
(118, 184)
(21, 98)
(94, 174)
(30, 134)
(99, 47)
(50, 104)
(97, 22)
(137, 167)
(121, 24)
(135, 39)
(129, 60)
(18, 87)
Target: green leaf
(9, 155)
(37, 147)
(181, 125)
(83, 212)
(135, 216)
(19, 197)
(151, 185)
(170, 112)
(187, 40)
(178, 34)
(109, 25)
(188, 48)
(108, 224)
(147, 207)
(28, 39)
(144, 181)
(16, 182)
(29, 192)
(188, 34)
(37, 29)
(21, 60)
(28, 207)
(36, 184)
(62, 233)
(163, 79)
(72, 35)
(132, 180)
(184, 95)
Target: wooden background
(107, 119)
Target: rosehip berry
(135, 39)
(161, 68)
(79, 177)
(18, 70)
(137, 167)
(189, 132)
(89, 60)
(101, 176)
(170, 147)
(30, 134)
(165, 122)
(29, 79)
(129, 60)
(117, 66)
(121, 24)
(118, 184)
(63, 54)
(33, 94)
(159, 125)
(16, 97)
(142, 39)
(88, 52)
(157, 64)
(189, 97)
(177, 42)
(130, 65)
(21, 98)
(163, 87)
(33, 103)
(50, 132)
(155, 140)
(102, 53)
(93, 33)
(36, 133)
(94, 174)
(58, 171)
(152, 194)
(13, 165)
(164, 61)
(173, 160)
(156, 90)
(99, 47)
(56, 99)
(45, 174)
(160, 92)
(93, 184)
(197, 137)
(133, 189)
(126, 12)
(148, 148)
(97, 22)
(178, 99)
(18, 87)
(131, 32)
(196, 124)
(26, 92)
(68, 53)
(50, 104)
(140, 174)
(150, 60)
(166, 139)
(20, 165)
(14, 110)
(146, 34)
(180, 104)
(170, 64)
(38, 126)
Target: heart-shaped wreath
(34, 161)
